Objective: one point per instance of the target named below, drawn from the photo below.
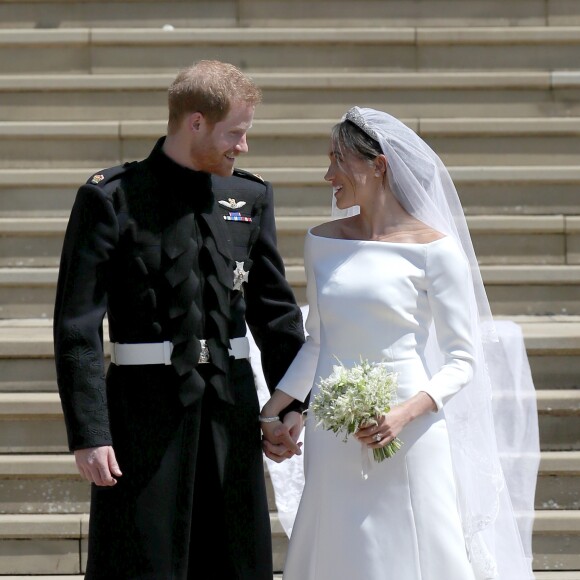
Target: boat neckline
(377, 241)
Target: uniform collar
(191, 187)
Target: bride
(398, 283)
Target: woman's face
(350, 176)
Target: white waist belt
(159, 353)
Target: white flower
(357, 395)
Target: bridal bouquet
(353, 397)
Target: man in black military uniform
(179, 251)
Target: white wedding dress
(377, 300)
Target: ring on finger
(377, 437)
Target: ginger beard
(217, 145)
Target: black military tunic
(171, 254)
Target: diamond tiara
(354, 115)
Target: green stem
(387, 451)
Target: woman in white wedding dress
(399, 283)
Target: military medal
(234, 216)
(240, 275)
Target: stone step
(57, 544)
(302, 95)
(556, 540)
(43, 544)
(551, 575)
(483, 190)
(31, 242)
(27, 363)
(37, 242)
(291, 142)
(31, 369)
(154, 49)
(520, 190)
(115, 13)
(49, 483)
(559, 420)
(416, 12)
(552, 344)
(554, 360)
(44, 483)
(32, 422)
(498, 239)
(511, 289)
(49, 543)
(24, 386)
(558, 481)
(555, 575)
(553, 348)
(302, 13)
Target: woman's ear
(380, 166)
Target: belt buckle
(204, 353)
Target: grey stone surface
(491, 85)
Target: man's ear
(195, 121)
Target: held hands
(280, 438)
(98, 465)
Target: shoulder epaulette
(107, 175)
(247, 175)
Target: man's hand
(98, 465)
(280, 440)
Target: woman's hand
(389, 425)
(386, 429)
(280, 439)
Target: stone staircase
(493, 86)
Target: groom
(179, 251)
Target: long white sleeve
(299, 378)
(448, 275)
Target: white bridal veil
(495, 466)
(492, 421)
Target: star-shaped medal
(240, 275)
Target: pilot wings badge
(231, 203)
(234, 216)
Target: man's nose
(242, 145)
